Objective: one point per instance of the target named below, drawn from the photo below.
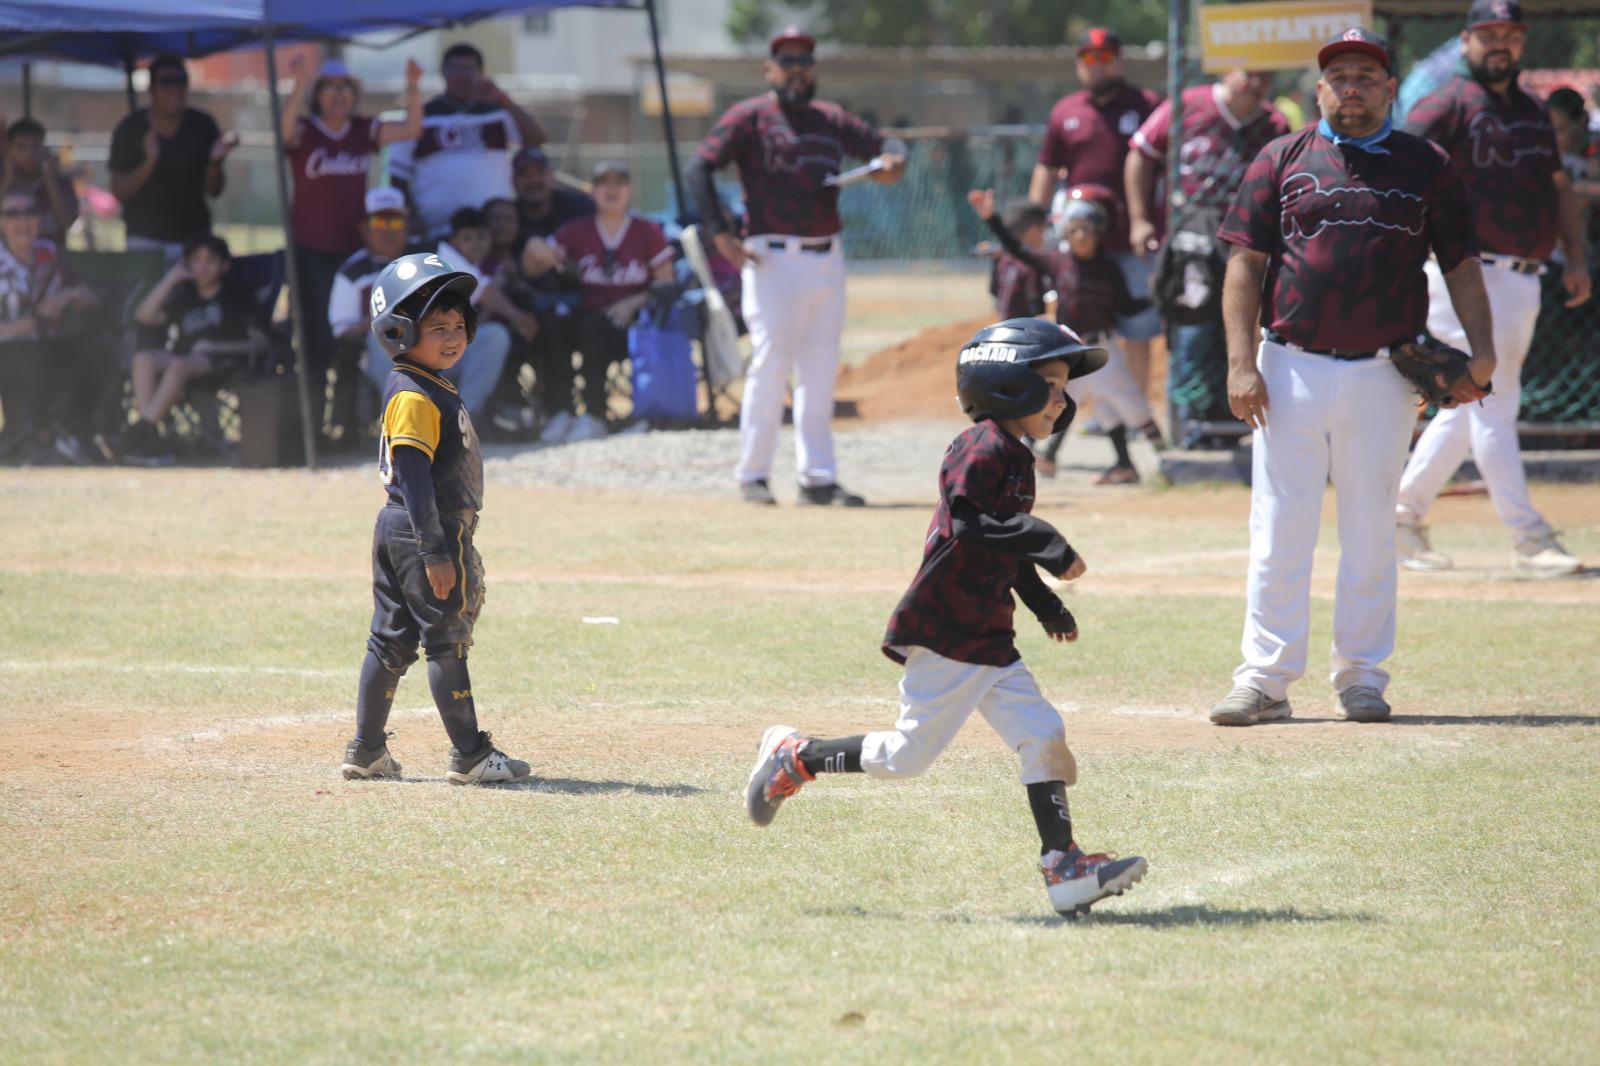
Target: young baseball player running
(953, 628)
(427, 578)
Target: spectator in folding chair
(214, 326)
(616, 256)
(478, 370)
(37, 368)
(28, 166)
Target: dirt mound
(917, 377)
(913, 379)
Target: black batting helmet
(405, 291)
(995, 376)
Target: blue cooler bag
(664, 383)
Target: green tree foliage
(965, 23)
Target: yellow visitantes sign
(1275, 36)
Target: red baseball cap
(792, 34)
(1356, 39)
(1098, 38)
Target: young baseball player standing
(1504, 146)
(427, 578)
(792, 262)
(1330, 229)
(953, 628)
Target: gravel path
(886, 461)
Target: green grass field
(185, 877)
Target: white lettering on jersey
(322, 163)
(1500, 144)
(1307, 208)
(784, 153)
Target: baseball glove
(1435, 370)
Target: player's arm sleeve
(703, 190)
(1023, 535)
(1015, 248)
(1150, 139)
(726, 138)
(1252, 218)
(411, 426)
(1036, 595)
(1449, 220)
(860, 138)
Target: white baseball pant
(938, 695)
(793, 302)
(1487, 429)
(1117, 398)
(1351, 420)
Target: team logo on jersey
(785, 153)
(1128, 124)
(1496, 143)
(380, 302)
(1307, 208)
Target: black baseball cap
(1356, 39)
(1495, 12)
(528, 156)
(1098, 38)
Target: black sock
(1049, 802)
(1119, 441)
(374, 697)
(452, 694)
(841, 755)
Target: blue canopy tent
(123, 32)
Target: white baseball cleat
(778, 773)
(1541, 553)
(1247, 706)
(486, 766)
(1416, 550)
(1075, 881)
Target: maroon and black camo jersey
(1017, 288)
(981, 544)
(1216, 147)
(783, 157)
(1091, 140)
(1347, 232)
(1090, 293)
(1505, 149)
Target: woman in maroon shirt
(329, 152)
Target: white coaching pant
(1117, 398)
(938, 695)
(1351, 420)
(793, 302)
(1489, 429)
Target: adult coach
(790, 259)
(1337, 221)
(1086, 142)
(1504, 147)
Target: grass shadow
(1534, 720)
(563, 786)
(1189, 914)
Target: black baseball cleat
(362, 763)
(834, 495)
(1075, 881)
(757, 492)
(486, 766)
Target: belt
(1344, 354)
(800, 244)
(1513, 264)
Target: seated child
(953, 628)
(1091, 293)
(427, 578)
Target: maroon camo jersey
(1347, 232)
(1018, 288)
(1216, 147)
(1090, 293)
(1505, 149)
(981, 544)
(614, 267)
(783, 157)
(1091, 141)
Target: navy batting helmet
(995, 376)
(405, 291)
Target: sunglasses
(790, 62)
(393, 223)
(20, 212)
(1098, 57)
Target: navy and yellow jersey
(423, 412)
